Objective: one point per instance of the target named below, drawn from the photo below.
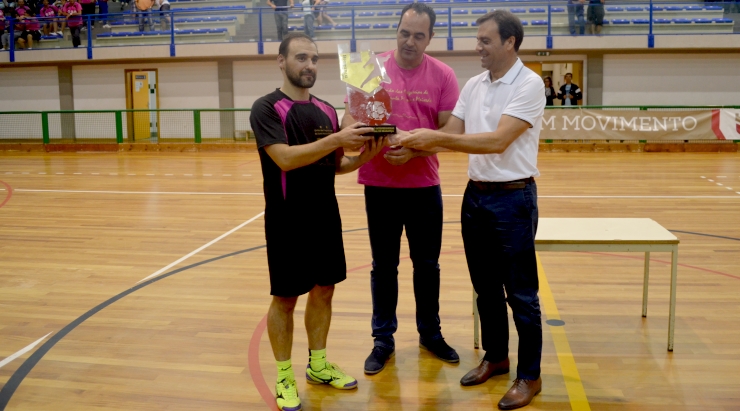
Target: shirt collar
(510, 75)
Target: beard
(297, 79)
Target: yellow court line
(573, 384)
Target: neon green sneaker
(331, 375)
(287, 395)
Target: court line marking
(28, 190)
(22, 351)
(7, 390)
(201, 248)
(9, 189)
(573, 383)
(15, 380)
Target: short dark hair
(568, 74)
(285, 44)
(420, 8)
(508, 24)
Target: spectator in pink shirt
(27, 25)
(32, 31)
(73, 11)
(2, 24)
(48, 14)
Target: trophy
(367, 101)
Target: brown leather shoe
(520, 394)
(484, 371)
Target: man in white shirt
(498, 120)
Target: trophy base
(381, 131)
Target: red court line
(254, 364)
(255, 371)
(10, 193)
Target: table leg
(672, 313)
(476, 332)
(645, 284)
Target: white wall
(29, 89)
(181, 85)
(672, 79)
(254, 79)
(26, 89)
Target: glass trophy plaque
(367, 101)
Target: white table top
(602, 230)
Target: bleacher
(370, 23)
(212, 21)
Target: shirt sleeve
(450, 91)
(267, 125)
(528, 103)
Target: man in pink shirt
(402, 190)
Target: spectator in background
(72, 10)
(5, 37)
(2, 19)
(88, 9)
(47, 15)
(31, 31)
(22, 10)
(281, 8)
(164, 16)
(575, 15)
(549, 92)
(320, 12)
(595, 16)
(27, 25)
(308, 18)
(570, 93)
(144, 11)
(103, 13)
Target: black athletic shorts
(35, 35)
(304, 249)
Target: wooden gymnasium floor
(79, 231)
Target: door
(140, 101)
(536, 67)
(142, 94)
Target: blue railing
(378, 20)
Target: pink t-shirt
(32, 24)
(76, 20)
(2, 20)
(417, 96)
(49, 11)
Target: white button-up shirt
(521, 94)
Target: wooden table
(607, 235)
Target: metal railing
(126, 126)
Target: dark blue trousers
(419, 210)
(498, 230)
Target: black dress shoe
(484, 371)
(441, 350)
(520, 394)
(375, 362)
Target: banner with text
(652, 125)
